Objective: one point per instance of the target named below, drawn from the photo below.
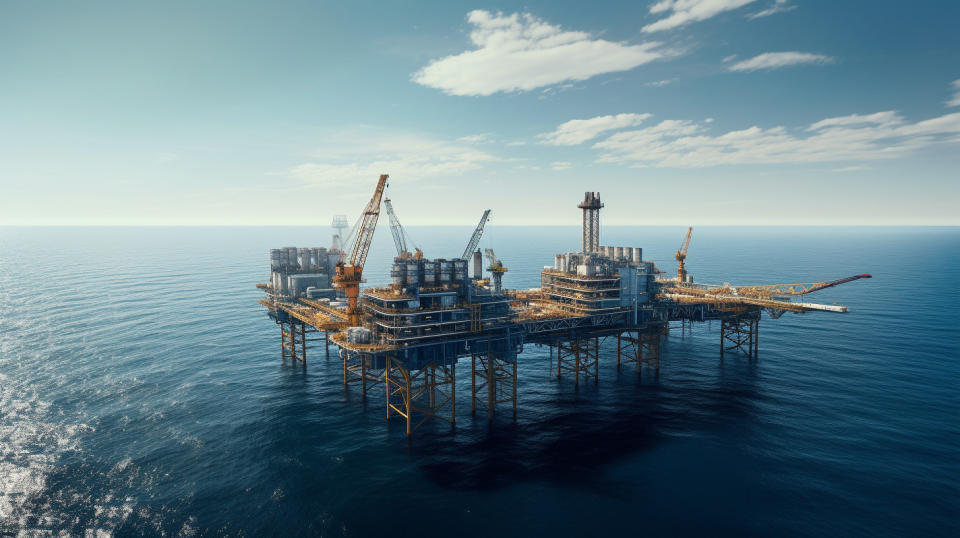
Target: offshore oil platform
(410, 335)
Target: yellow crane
(681, 255)
(349, 273)
(496, 270)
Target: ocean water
(142, 392)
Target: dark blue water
(142, 392)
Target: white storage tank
(277, 257)
(303, 255)
(637, 255)
(429, 274)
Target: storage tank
(413, 274)
(304, 255)
(637, 255)
(291, 260)
(275, 281)
(276, 258)
(459, 270)
(429, 274)
(446, 271)
(322, 262)
(477, 264)
(618, 253)
(398, 273)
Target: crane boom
(686, 243)
(802, 288)
(495, 263)
(681, 255)
(496, 270)
(368, 223)
(396, 229)
(349, 275)
(475, 238)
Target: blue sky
(678, 111)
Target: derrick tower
(591, 221)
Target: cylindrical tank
(637, 255)
(459, 270)
(398, 273)
(413, 274)
(558, 262)
(429, 274)
(291, 257)
(477, 264)
(446, 271)
(275, 257)
(618, 253)
(303, 255)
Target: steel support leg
(494, 381)
(740, 334)
(579, 357)
(421, 395)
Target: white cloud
(851, 169)
(482, 138)
(888, 117)
(779, 6)
(561, 165)
(683, 12)
(685, 144)
(362, 157)
(576, 132)
(955, 101)
(774, 60)
(659, 83)
(520, 52)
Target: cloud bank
(576, 132)
(779, 6)
(520, 52)
(955, 101)
(776, 60)
(683, 12)
(689, 144)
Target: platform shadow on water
(576, 441)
